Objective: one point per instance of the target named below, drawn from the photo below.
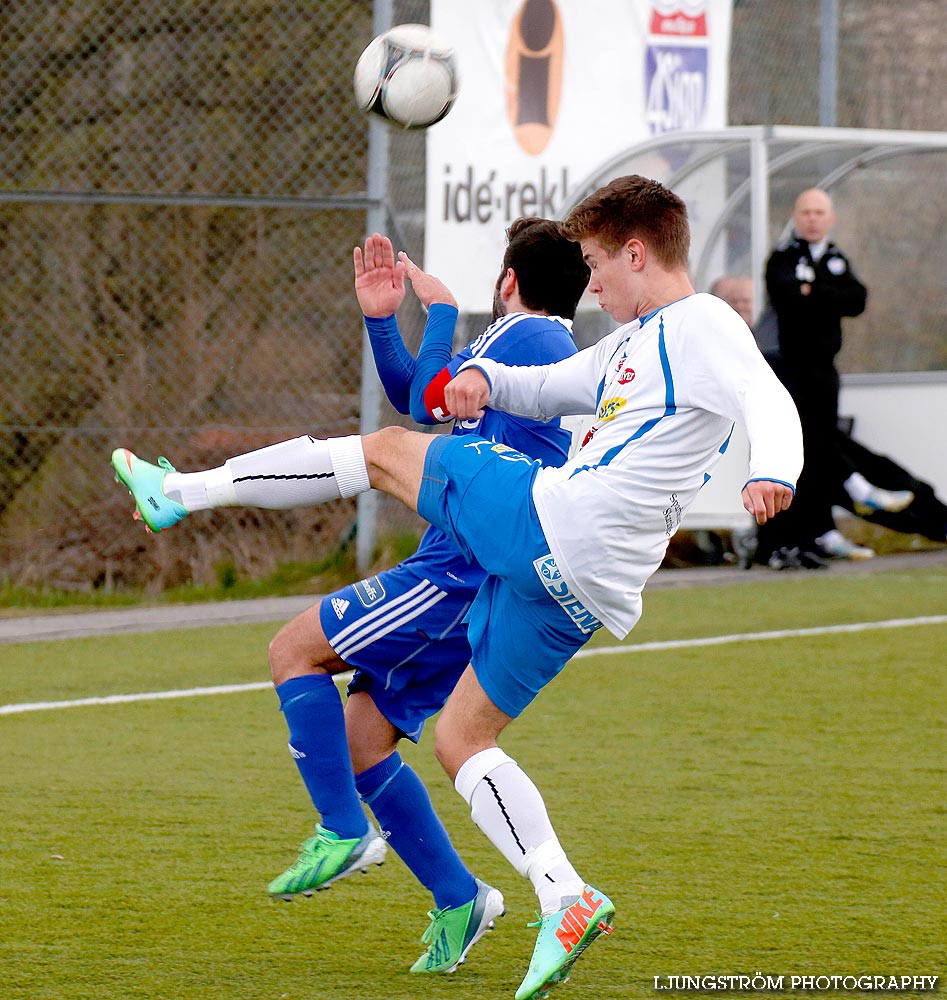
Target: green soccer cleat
(144, 482)
(325, 859)
(563, 936)
(456, 929)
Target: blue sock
(402, 806)
(313, 710)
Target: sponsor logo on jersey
(673, 515)
(297, 754)
(608, 408)
(625, 372)
(369, 591)
(561, 593)
(534, 63)
(339, 606)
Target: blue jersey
(405, 630)
(517, 339)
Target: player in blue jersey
(404, 631)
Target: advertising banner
(550, 89)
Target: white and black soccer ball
(408, 75)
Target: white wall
(902, 416)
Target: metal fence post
(375, 221)
(828, 64)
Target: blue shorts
(523, 624)
(406, 638)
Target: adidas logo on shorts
(339, 606)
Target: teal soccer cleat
(454, 930)
(144, 482)
(563, 936)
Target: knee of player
(381, 442)
(289, 658)
(279, 658)
(301, 647)
(447, 748)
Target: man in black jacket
(811, 287)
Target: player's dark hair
(550, 272)
(634, 207)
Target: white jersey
(666, 391)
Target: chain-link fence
(180, 189)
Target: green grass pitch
(764, 806)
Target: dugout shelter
(889, 189)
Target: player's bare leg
(509, 809)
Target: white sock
(858, 487)
(296, 473)
(508, 808)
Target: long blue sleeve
(393, 362)
(437, 348)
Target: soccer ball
(408, 76)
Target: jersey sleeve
(431, 370)
(393, 362)
(730, 377)
(541, 392)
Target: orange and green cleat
(144, 482)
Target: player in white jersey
(666, 390)
(566, 550)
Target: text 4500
(471, 199)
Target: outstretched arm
(539, 392)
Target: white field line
(788, 633)
(644, 647)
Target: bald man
(811, 287)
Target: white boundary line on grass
(643, 647)
(788, 633)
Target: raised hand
(379, 278)
(427, 288)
